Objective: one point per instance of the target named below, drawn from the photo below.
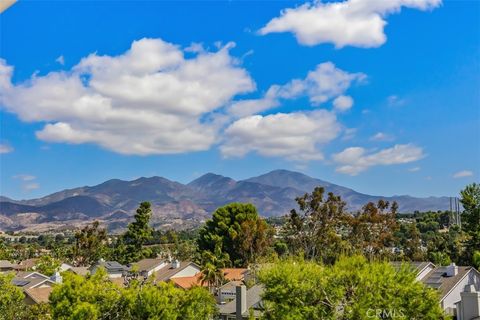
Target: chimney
(469, 307)
(175, 264)
(452, 270)
(57, 278)
(241, 299)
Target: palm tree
(212, 265)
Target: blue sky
(383, 110)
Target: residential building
(246, 303)
(36, 286)
(228, 291)
(6, 266)
(451, 281)
(422, 268)
(113, 268)
(468, 308)
(149, 266)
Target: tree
(229, 229)
(90, 244)
(353, 288)
(212, 264)
(476, 259)
(11, 298)
(47, 265)
(316, 229)
(470, 199)
(96, 298)
(197, 304)
(130, 246)
(164, 301)
(373, 229)
(80, 298)
(410, 240)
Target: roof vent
(175, 264)
(57, 278)
(452, 270)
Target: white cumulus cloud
(149, 100)
(358, 23)
(463, 174)
(343, 103)
(354, 160)
(324, 83)
(295, 136)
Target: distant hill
(178, 205)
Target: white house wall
(473, 277)
(189, 271)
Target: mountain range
(177, 205)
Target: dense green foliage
(96, 297)
(47, 265)
(238, 231)
(11, 297)
(353, 288)
(12, 306)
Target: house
(228, 291)
(177, 269)
(235, 274)
(64, 267)
(37, 295)
(188, 282)
(28, 264)
(451, 281)
(113, 268)
(468, 307)
(6, 266)
(36, 286)
(421, 268)
(81, 271)
(149, 266)
(246, 303)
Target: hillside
(180, 205)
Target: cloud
(149, 100)
(354, 160)
(414, 169)
(5, 148)
(343, 103)
(28, 182)
(324, 83)
(357, 23)
(24, 177)
(395, 101)
(31, 186)
(60, 60)
(380, 136)
(349, 134)
(463, 174)
(294, 136)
